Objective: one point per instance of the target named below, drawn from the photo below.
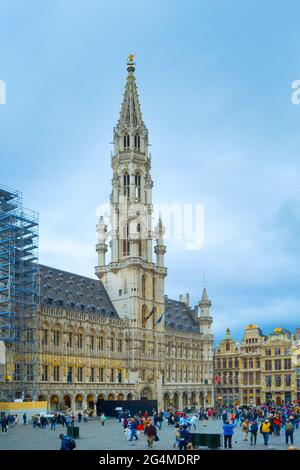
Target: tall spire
(130, 114)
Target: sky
(215, 85)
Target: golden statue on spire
(130, 59)
(131, 63)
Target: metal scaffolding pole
(19, 293)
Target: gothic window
(137, 142)
(126, 141)
(126, 185)
(126, 245)
(143, 286)
(144, 315)
(137, 182)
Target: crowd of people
(257, 424)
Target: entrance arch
(167, 401)
(90, 401)
(193, 399)
(67, 401)
(111, 396)
(185, 400)
(146, 394)
(101, 397)
(42, 398)
(54, 402)
(176, 400)
(120, 396)
(78, 402)
(129, 396)
(201, 399)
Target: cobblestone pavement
(94, 436)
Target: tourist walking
(253, 429)
(102, 419)
(133, 428)
(245, 430)
(228, 433)
(151, 433)
(185, 437)
(265, 429)
(4, 423)
(24, 418)
(289, 432)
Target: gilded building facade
(267, 367)
(119, 336)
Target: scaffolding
(19, 294)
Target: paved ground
(93, 436)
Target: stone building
(120, 337)
(266, 367)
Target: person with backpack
(289, 432)
(245, 429)
(185, 437)
(253, 429)
(265, 429)
(151, 433)
(102, 419)
(4, 424)
(67, 443)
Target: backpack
(71, 444)
(254, 427)
(289, 427)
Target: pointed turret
(160, 248)
(204, 315)
(130, 132)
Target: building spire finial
(131, 63)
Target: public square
(94, 436)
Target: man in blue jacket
(228, 433)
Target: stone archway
(129, 396)
(111, 396)
(67, 401)
(42, 398)
(101, 397)
(176, 400)
(167, 401)
(193, 399)
(120, 396)
(208, 398)
(146, 394)
(185, 399)
(90, 401)
(54, 403)
(78, 402)
(201, 396)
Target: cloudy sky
(215, 83)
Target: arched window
(126, 245)
(144, 315)
(137, 181)
(143, 286)
(126, 141)
(137, 142)
(126, 185)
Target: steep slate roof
(180, 317)
(62, 289)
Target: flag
(150, 314)
(160, 318)
(218, 378)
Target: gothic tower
(133, 281)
